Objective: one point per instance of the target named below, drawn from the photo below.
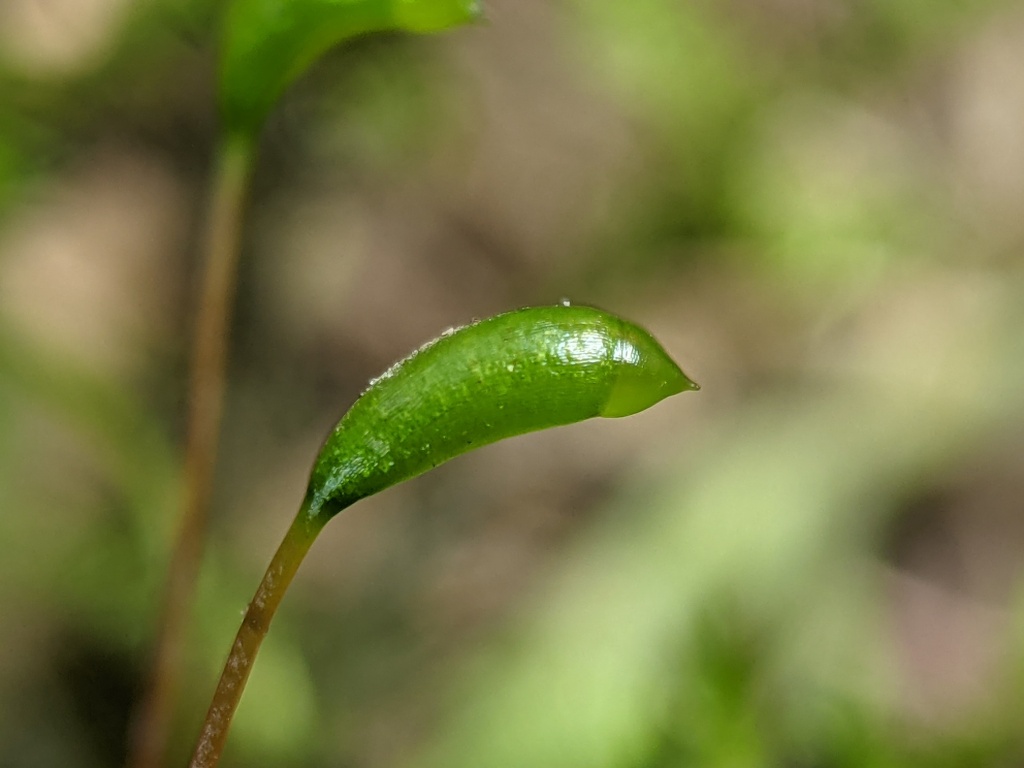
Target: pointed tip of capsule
(435, 15)
(648, 376)
(673, 380)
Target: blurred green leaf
(269, 43)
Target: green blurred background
(815, 562)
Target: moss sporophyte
(514, 373)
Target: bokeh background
(815, 562)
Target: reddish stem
(205, 407)
(250, 635)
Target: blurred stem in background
(205, 408)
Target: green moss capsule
(514, 373)
(269, 43)
(511, 374)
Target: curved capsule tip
(645, 374)
(434, 15)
